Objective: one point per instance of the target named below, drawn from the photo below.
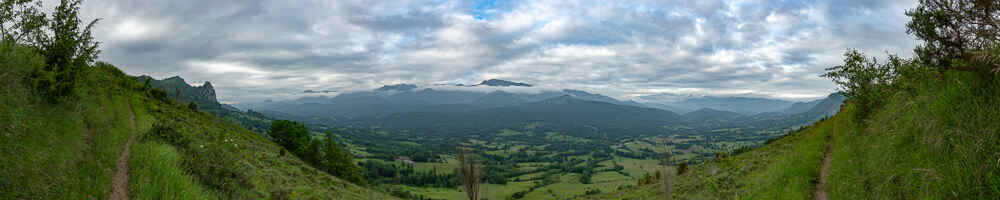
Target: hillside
(68, 150)
(180, 90)
(205, 100)
(921, 143)
(742, 105)
(566, 113)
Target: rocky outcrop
(206, 92)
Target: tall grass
(55, 151)
(68, 150)
(939, 139)
(787, 168)
(157, 174)
(792, 175)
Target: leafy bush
(954, 30)
(159, 94)
(864, 80)
(214, 168)
(683, 167)
(338, 162)
(166, 132)
(68, 50)
(325, 155)
(291, 135)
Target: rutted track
(820, 192)
(119, 182)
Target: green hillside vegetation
(919, 144)
(922, 128)
(203, 98)
(784, 168)
(65, 120)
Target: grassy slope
(784, 169)
(65, 151)
(938, 139)
(68, 151)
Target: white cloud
(265, 49)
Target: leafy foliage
(325, 155)
(338, 162)
(864, 80)
(291, 135)
(68, 50)
(381, 172)
(192, 106)
(21, 21)
(954, 30)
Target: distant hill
(565, 113)
(397, 87)
(498, 99)
(708, 114)
(402, 98)
(503, 83)
(439, 111)
(180, 90)
(669, 107)
(744, 105)
(205, 98)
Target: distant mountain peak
(175, 79)
(397, 87)
(207, 92)
(503, 83)
(711, 111)
(180, 90)
(318, 91)
(561, 99)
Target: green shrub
(192, 106)
(954, 31)
(159, 94)
(68, 50)
(683, 167)
(166, 132)
(213, 167)
(340, 163)
(291, 135)
(864, 80)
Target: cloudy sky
(252, 50)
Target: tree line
(324, 154)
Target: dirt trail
(820, 192)
(119, 182)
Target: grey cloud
(261, 49)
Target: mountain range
(408, 107)
(429, 111)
